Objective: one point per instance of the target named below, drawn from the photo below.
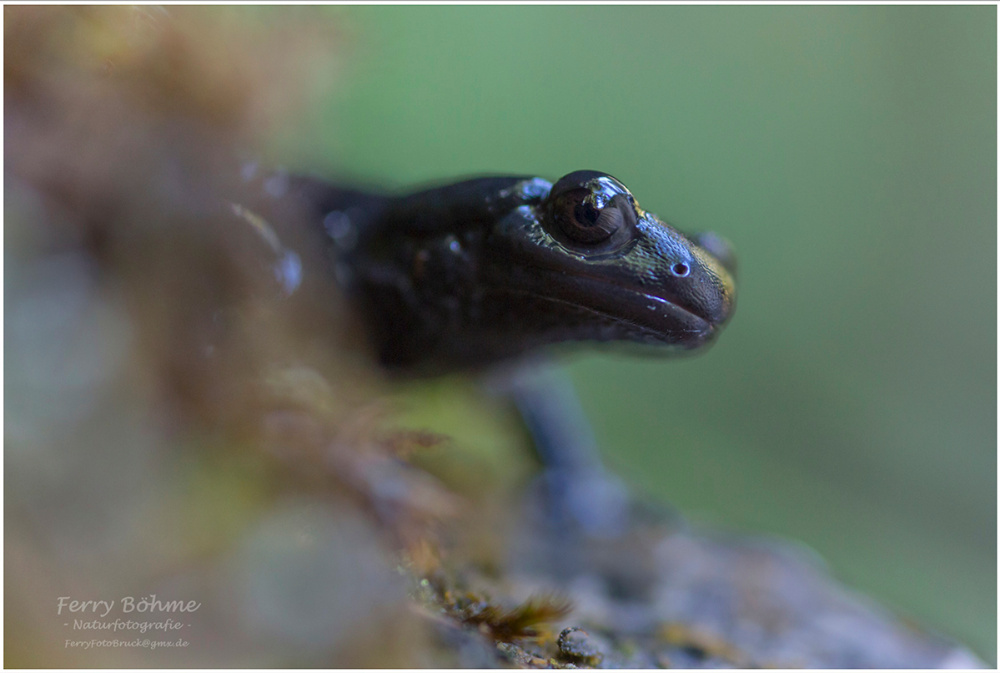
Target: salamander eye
(583, 221)
(590, 207)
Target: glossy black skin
(469, 274)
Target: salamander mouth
(640, 316)
(622, 295)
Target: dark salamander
(468, 275)
(472, 273)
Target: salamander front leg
(579, 492)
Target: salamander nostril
(680, 269)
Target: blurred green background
(850, 155)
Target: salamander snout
(718, 247)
